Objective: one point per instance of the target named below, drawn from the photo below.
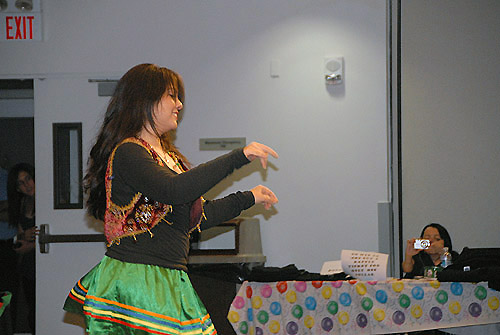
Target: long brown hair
(129, 110)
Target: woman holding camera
(416, 259)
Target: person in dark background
(8, 257)
(21, 209)
(417, 259)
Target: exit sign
(18, 24)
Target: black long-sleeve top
(134, 170)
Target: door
(60, 99)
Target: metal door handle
(45, 238)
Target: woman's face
(437, 243)
(25, 184)
(166, 113)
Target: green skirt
(117, 297)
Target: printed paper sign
(365, 265)
(331, 268)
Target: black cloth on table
(238, 273)
(474, 265)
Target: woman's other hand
(257, 150)
(410, 251)
(23, 246)
(410, 248)
(264, 196)
(30, 234)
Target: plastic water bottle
(445, 258)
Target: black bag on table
(474, 265)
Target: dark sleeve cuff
(240, 157)
(227, 208)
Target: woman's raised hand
(257, 150)
(410, 249)
(264, 196)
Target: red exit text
(19, 27)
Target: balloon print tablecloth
(358, 307)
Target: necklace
(173, 161)
(169, 157)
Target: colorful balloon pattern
(299, 307)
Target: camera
(422, 244)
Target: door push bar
(45, 238)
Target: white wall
(451, 119)
(332, 141)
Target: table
(360, 307)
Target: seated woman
(417, 259)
